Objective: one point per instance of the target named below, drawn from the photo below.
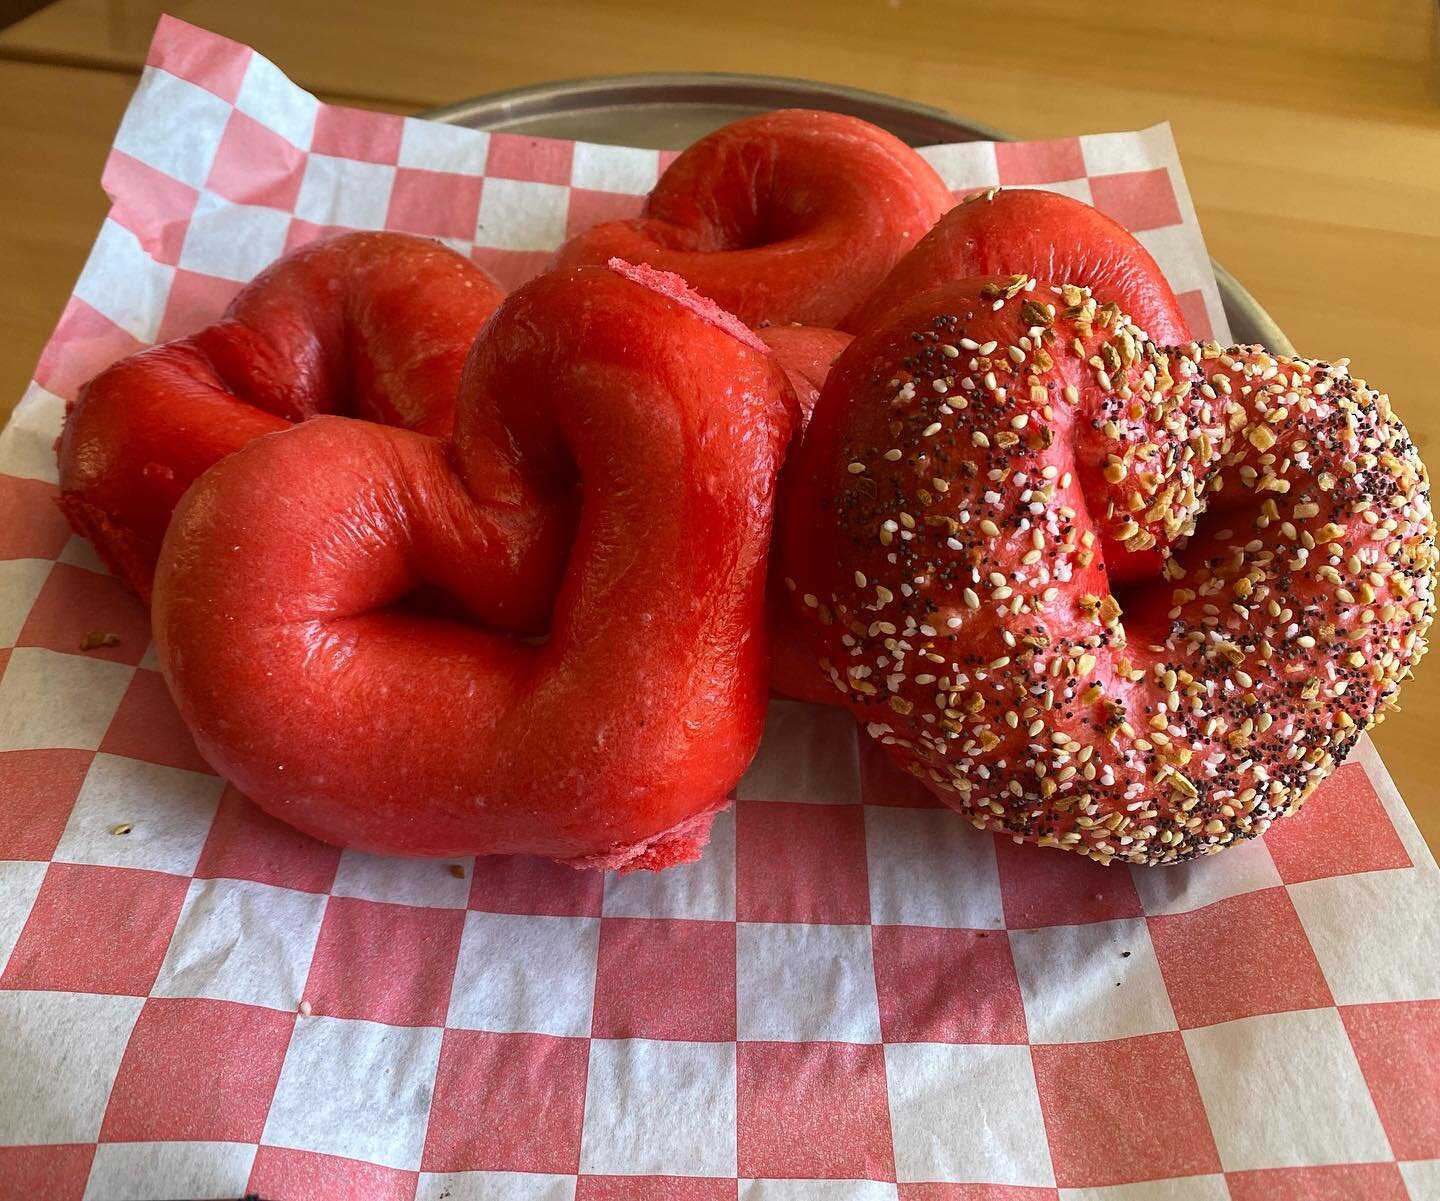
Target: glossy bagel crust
(975, 464)
(805, 354)
(1045, 235)
(792, 215)
(283, 628)
(371, 325)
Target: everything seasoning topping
(1130, 601)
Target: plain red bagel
(975, 463)
(1045, 235)
(805, 354)
(793, 215)
(372, 325)
(283, 632)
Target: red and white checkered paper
(852, 997)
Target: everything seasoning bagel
(1124, 600)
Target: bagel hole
(1144, 608)
(1137, 583)
(433, 601)
(430, 600)
(1146, 599)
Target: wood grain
(1310, 136)
(55, 128)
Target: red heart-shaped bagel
(792, 215)
(372, 325)
(283, 628)
(976, 467)
(1045, 235)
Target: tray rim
(530, 99)
(497, 109)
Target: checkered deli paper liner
(853, 997)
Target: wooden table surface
(1310, 136)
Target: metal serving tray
(668, 112)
